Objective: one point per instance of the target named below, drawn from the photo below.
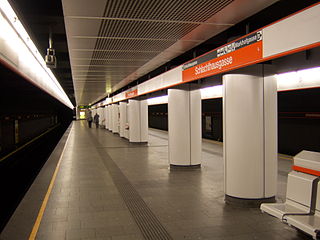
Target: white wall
(291, 33)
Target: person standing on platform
(89, 117)
(96, 119)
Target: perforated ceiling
(114, 42)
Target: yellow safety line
(217, 142)
(212, 141)
(286, 157)
(46, 198)
(28, 143)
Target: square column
(138, 120)
(123, 118)
(126, 126)
(115, 118)
(78, 113)
(101, 117)
(250, 136)
(184, 120)
(106, 117)
(110, 118)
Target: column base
(248, 202)
(138, 143)
(185, 167)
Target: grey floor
(107, 188)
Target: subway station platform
(103, 187)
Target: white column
(250, 136)
(138, 120)
(78, 113)
(106, 117)
(115, 118)
(184, 120)
(123, 118)
(101, 116)
(144, 122)
(110, 117)
(126, 130)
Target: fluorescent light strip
(305, 78)
(14, 33)
(206, 93)
(107, 101)
(158, 100)
(212, 92)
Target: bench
(302, 206)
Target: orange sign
(132, 94)
(237, 54)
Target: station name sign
(132, 94)
(231, 56)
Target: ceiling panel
(83, 44)
(83, 7)
(116, 41)
(81, 27)
(142, 28)
(188, 10)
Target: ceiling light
(30, 61)
(212, 92)
(306, 78)
(158, 100)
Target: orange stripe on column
(306, 170)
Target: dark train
(298, 120)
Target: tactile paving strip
(150, 226)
